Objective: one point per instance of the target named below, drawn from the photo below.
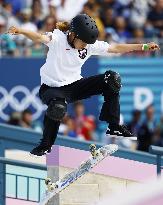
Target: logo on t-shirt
(82, 53)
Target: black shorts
(81, 89)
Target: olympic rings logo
(29, 99)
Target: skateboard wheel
(47, 181)
(55, 186)
(92, 147)
(51, 188)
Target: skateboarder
(70, 45)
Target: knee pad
(113, 81)
(57, 109)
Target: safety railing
(26, 185)
(158, 151)
(5, 162)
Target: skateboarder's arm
(34, 36)
(124, 48)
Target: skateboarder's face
(78, 44)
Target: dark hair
(149, 106)
(26, 111)
(136, 112)
(89, 5)
(78, 103)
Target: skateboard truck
(50, 186)
(93, 150)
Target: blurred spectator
(14, 119)
(26, 119)
(107, 16)
(7, 45)
(67, 9)
(53, 9)
(158, 138)
(121, 29)
(124, 7)
(147, 130)
(37, 15)
(70, 127)
(63, 125)
(67, 128)
(135, 124)
(112, 36)
(138, 12)
(92, 9)
(7, 12)
(37, 50)
(138, 35)
(26, 20)
(1, 6)
(85, 125)
(108, 3)
(160, 126)
(49, 24)
(17, 5)
(28, 25)
(155, 16)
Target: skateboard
(97, 155)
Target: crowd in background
(79, 125)
(149, 130)
(85, 127)
(24, 119)
(117, 20)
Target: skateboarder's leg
(56, 110)
(96, 85)
(50, 131)
(107, 84)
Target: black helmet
(85, 28)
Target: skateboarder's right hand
(14, 30)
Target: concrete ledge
(111, 166)
(87, 193)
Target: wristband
(145, 47)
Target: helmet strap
(71, 43)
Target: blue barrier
(12, 137)
(158, 151)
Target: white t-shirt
(63, 63)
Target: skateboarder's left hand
(153, 46)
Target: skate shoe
(120, 132)
(41, 150)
